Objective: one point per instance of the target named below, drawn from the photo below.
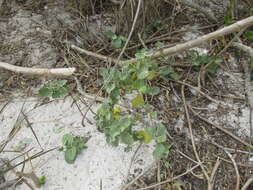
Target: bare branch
(238, 26)
(38, 71)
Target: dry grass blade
(31, 158)
(222, 129)
(237, 187)
(13, 131)
(172, 179)
(215, 168)
(192, 139)
(30, 126)
(8, 184)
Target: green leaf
(109, 34)
(151, 131)
(127, 138)
(143, 73)
(161, 134)
(164, 71)
(154, 91)
(117, 43)
(228, 20)
(70, 155)
(248, 35)
(212, 68)
(174, 76)
(110, 87)
(61, 83)
(145, 136)
(151, 75)
(104, 72)
(161, 150)
(67, 139)
(143, 89)
(138, 101)
(153, 115)
(45, 92)
(42, 180)
(59, 92)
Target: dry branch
(238, 26)
(38, 71)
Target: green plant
(198, 60)
(42, 180)
(116, 41)
(119, 125)
(55, 90)
(72, 146)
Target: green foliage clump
(198, 60)
(73, 145)
(116, 41)
(120, 126)
(55, 90)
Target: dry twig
(192, 139)
(248, 182)
(238, 26)
(172, 179)
(37, 71)
(222, 129)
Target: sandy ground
(100, 164)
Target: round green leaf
(138, 101)
(70, 155)
(45, 92)
(117, 43)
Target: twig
(138, 177)
(248, 182)
(233, 162)
(237, 187)
(238, 26)
(192, 139)
(7, 184)
(172, 179)
(215, 168)
(221, 129)
(243, 47)
(38, 71)
(29, 124)
(199, 91)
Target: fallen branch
(238, 26)
(37, 71)
(244, 48)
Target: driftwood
(38, 71)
